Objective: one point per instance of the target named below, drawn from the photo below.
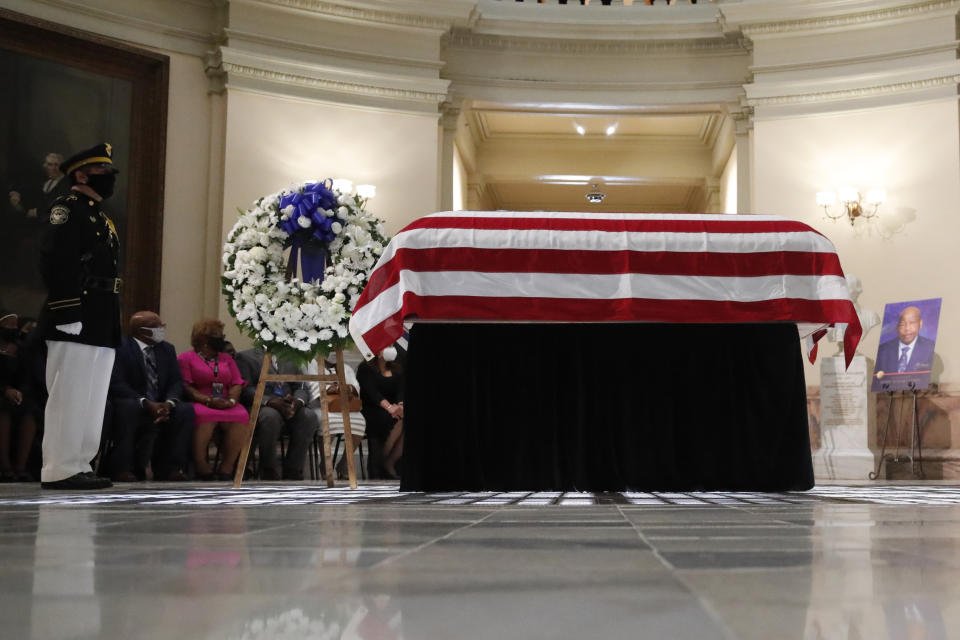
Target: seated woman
(381, 389)
(213, 383)
(18, 414)
(358, 426)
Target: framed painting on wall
(64, 91)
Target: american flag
(607, 267)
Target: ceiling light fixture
(612, 129)
(580, 128)
(596, 196)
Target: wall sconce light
(852, 204)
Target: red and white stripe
(580, 267)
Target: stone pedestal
(844, 453)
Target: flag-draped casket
(606, 267)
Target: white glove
(74, 328)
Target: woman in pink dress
(213, 383)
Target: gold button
(84, 292)
(90, 203)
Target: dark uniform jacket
(78, 262)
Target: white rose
(304, 222)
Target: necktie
(150, 359)
(904, 358)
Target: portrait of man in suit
(906, 360)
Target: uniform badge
(59, 214)
(110, 224)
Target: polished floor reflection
(301, 561)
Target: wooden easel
(340, 379)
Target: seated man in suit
(910, 351)
(283, 406)
(149, 420)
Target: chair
(358, 427)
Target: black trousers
(137, 441)
(605, 407)
(300, 427)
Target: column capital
(449, 113)
(742, 119)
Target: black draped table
(547, 407)
(604, 352)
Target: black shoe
(80, 482)
(268, 474)
(290, 474)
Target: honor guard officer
(80, 320)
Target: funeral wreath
(322, 226)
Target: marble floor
(303, 561)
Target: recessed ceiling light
(612, 128)
(580, 129)
(596, 196)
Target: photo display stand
(340, 379)
(916, 445)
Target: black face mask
(9, 335)
(102, 183)
(218, 344)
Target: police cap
(101, 154)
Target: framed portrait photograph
(908, 337)
(66, 91)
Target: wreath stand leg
(254, 414)
(325, 437)
(345, 412)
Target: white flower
(343, 185)
(293, 313)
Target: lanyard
(214, 365)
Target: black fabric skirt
(605, 407)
